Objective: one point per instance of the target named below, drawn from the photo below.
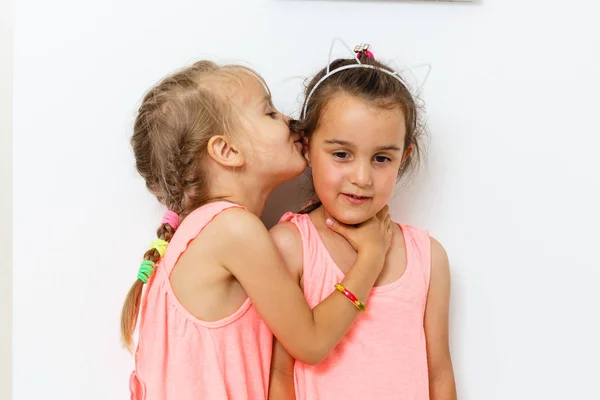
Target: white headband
(357, 65)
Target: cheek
(386, 184)
(274, 133)
(276, 143)
(326, 177)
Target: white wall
(6, 117)
(510, 188)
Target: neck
(318, 217)
(241, 190)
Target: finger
(388, 221)
(335, 226)
(383, 212)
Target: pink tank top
(383, 355)
(182, 358)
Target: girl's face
(355, 155)
(272, 153)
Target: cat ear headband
(361, 50)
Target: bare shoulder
(286, 237)
(288, 241)
(440, 268)
(438, 253)
(234, 228)
(239, 222)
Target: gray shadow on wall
(287, 197)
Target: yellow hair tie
(160, 246)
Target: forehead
(248, 89)
(351, 118)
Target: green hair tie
(145, 271)
(160, 246)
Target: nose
(361, 174)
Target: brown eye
(382, 159)
(342, 155)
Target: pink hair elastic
(363, 50)
(171, 218)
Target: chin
(350, 218)
(296, 173)
(300, 164)
(292, 169)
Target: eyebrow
(348, 144)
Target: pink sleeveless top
(383, 355)
(182, 358)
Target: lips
(355, 199)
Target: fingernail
(329, 222)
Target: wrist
(374, 255)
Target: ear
(224, 152)
(407, 153)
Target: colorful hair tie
(171, 218)
(357, 303)
(160, 246)
(363, 50)
(146, 270)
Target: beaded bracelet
(359, 304)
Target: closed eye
(272, 114)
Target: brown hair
(373, 86)
(174, 123)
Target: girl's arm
(281, 384)
(441, 374)
(289, 243)
(248, 252)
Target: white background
(6, 82)
(511, 187)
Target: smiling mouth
(354, 199)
